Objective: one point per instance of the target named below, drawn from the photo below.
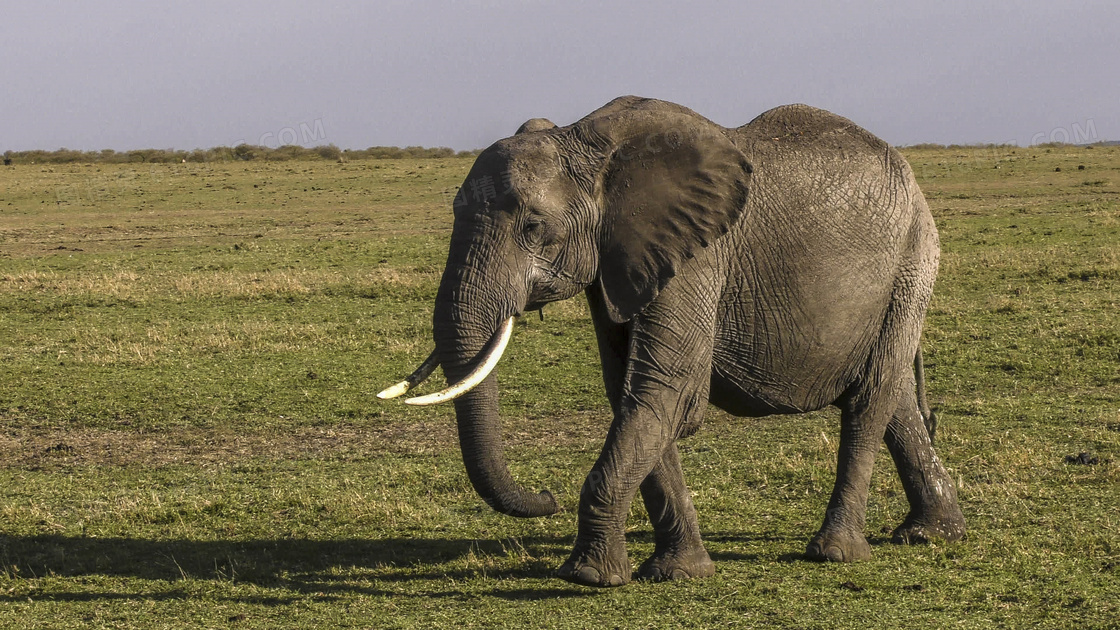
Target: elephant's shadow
(324, 568)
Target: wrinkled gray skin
(779, 267)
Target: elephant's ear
(673, 183)
(535, 124)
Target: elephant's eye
(535, 231)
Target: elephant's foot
(678, 564)
(602, 569)
(838, 546)
(924, 528)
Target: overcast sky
(150, 74)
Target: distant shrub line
(241, 152)
(1001, 146)
(248, 152)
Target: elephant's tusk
(491, 355)
(419, 376)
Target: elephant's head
(614, 203)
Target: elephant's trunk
(464, 322)
(480, 440)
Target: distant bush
(228, 154)
(245, 151)
(329, 152)
(396, 153)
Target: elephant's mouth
(484, 364)
(537, 305)
(550, 283)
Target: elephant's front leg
(680, 552)
(632, 449)
(600, 558)
(665, 387)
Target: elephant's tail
(928, 416)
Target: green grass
(189, 437)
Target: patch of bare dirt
(55, 448)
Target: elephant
(775, 268)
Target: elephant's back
(806, 126)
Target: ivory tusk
(419, 376)
(491, 355)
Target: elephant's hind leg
(886, 384)
(934, 512)
(679, 552)
(841, 537)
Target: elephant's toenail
(588, 575)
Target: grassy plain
(189, 437)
